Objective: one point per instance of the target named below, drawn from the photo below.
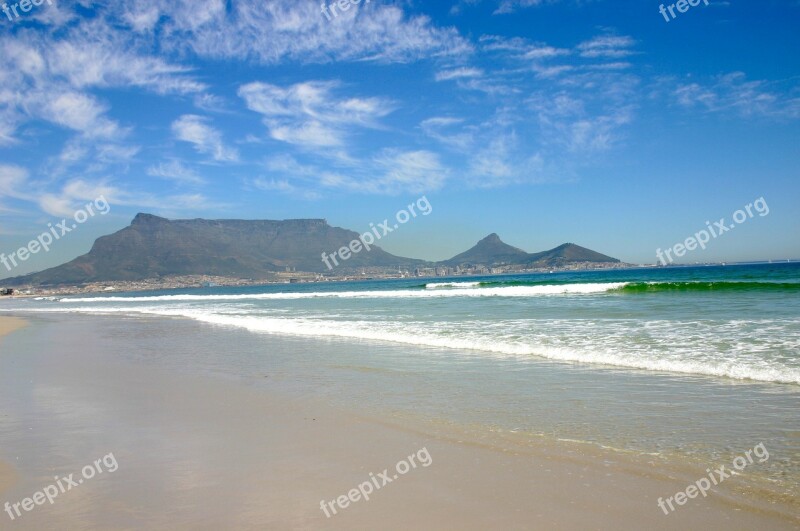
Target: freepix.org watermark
(24, 6)
(702, 237)
(343, 5)
(702, 485)
(381, 480)
(46, 239)
(366, 240)
(681, 5)
(61, 486)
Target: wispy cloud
(273, 31)
(734, 92)
(175, 171)
(458, 73)
(310, 114)
(205, 138)
(607, 46)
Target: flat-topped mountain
(153, 247)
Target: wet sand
(9, 324)
(7, 474)
(7, 477)
(200, 451)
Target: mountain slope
(492, 251)
(152, 247)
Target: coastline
(300, 277)
(202, 448)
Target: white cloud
(309, 114)
(74, 194)
(12, 180)
(607, 46)
(207, 140)
(509, 6)
(85, 62)
(392, 171)
(51, 77)
(274, 31)
(175, 171)
(412, 171)
(458, 73)
(539, 52)
(449, 131)
(79, 112)
(284, 186)
(733, 92)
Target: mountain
(153, 247)
(569, 252)
(492, 251)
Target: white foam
(462, 285)
(506, 291)
(737, 365)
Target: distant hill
(153, 247)
(492, 251)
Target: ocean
(694, 363)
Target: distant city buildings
(294, 277)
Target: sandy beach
(205, 451)
(9, 324)
(7, 477)
(7, 474)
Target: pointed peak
(492, 238)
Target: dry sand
(201, 452)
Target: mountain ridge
(154, 247)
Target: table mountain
(155, 247)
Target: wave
(651, 287)
(507, 291)
(636, 287)
(461, 285)
(735, 368)
(584, 347)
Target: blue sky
(546, 121)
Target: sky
(599, 122)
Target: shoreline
(276, 456)
(198, 281)
(184, 282)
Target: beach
(7, 474)
(9, 324)
(202, 447)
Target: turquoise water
(699, 362)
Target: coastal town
(290, 276)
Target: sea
(699, 363)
